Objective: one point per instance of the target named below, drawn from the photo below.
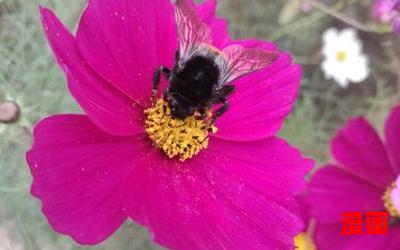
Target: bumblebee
(202, 75)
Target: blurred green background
(29, 77)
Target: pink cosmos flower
(93, 171)
(365, 179)
(387, 11)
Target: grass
(29, 77)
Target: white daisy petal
(348, 37)
(348, 34)
(343, 82)
(328, 67)
(337, 71)
(330, 35)
(329, 42)
(359, 69)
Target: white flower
(343, 57)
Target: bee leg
(203, 113)
(157, 80)
(226, 91)
(219, 112)
(222, 94)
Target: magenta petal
(329, 237)
(333, 191)
(393, 238)
(392, 131)
(105, 106)
(219, 26)
(388, 241)
(358, 148)
(262, 100)
(77, 173)
(231, 196)
(125, 41)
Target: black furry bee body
(201, 75)
(194, 87)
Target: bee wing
(237, 61)
(192, 32)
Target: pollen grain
(177, 138)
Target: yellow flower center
(341, 56)
(304, 242)
(177, 138)
(387, 200)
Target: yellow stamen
(177, 138)
(304, 242)
(341, 56)
(392, 210)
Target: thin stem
(342, 17)
(279, 33)
(304, 22)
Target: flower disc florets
(390, 205)
(181, 138)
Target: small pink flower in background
(384, 10)
(387, 11)
(93, 171)
(364, 179)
